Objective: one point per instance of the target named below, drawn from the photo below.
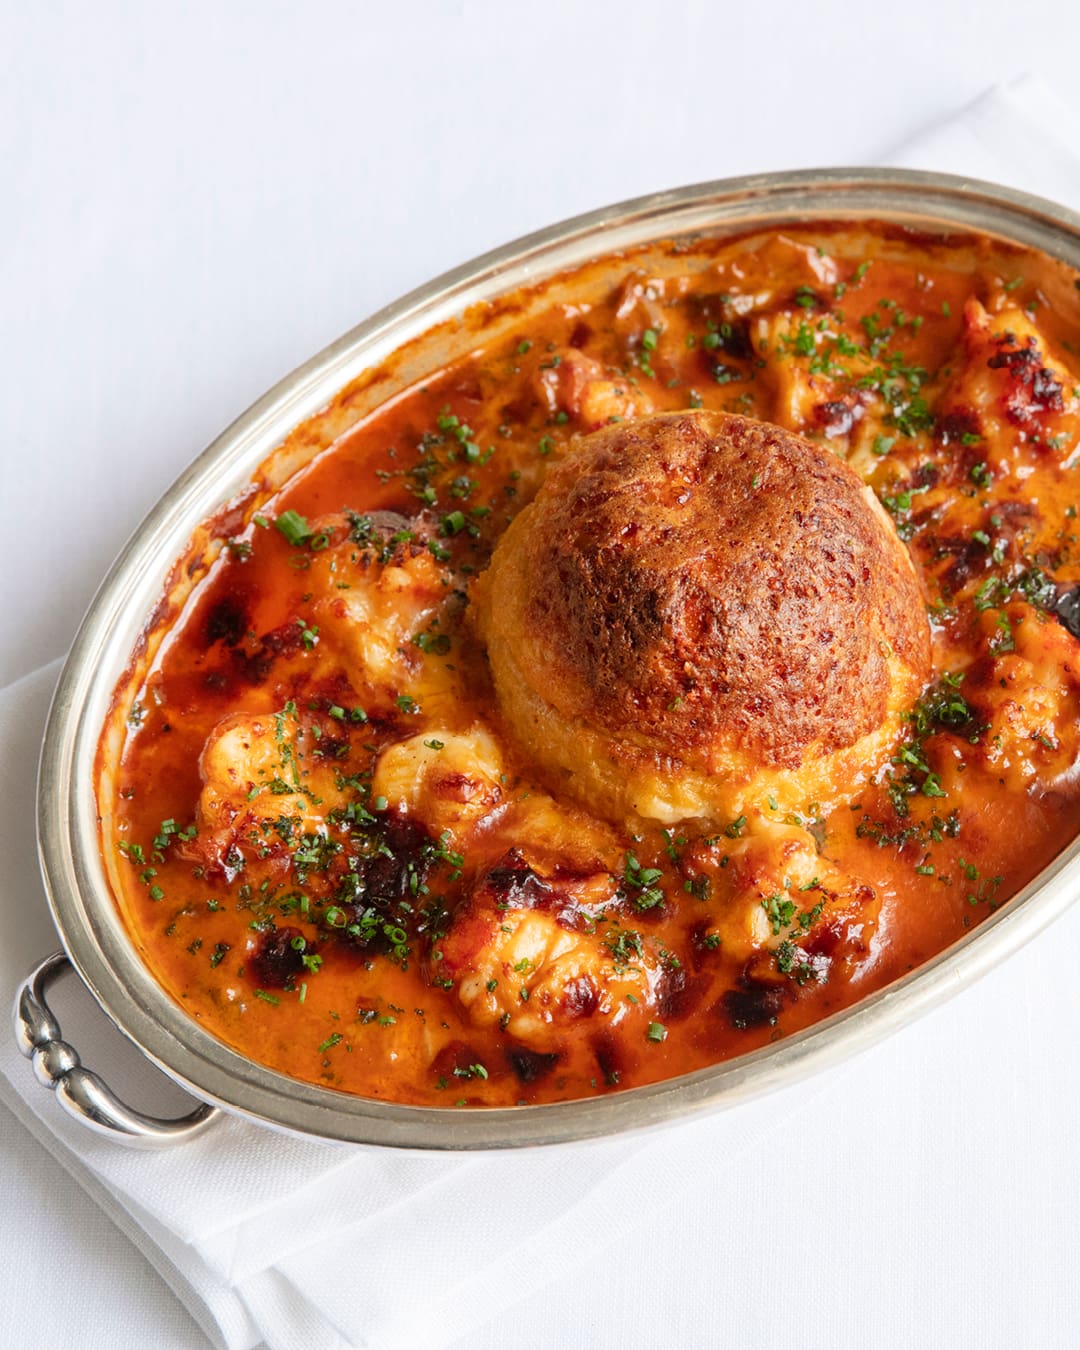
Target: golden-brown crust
(710, 589)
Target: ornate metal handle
(81, 1092)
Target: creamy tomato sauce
(329, 851)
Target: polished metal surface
(81, 1092)
(85, 914)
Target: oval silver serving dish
(86, 916)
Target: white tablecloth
(198, 201)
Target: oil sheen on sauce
(329, 854)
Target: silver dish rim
(79, 897)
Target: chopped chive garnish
(293, 526)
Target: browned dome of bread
(699, 606)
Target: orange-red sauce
(335, 944)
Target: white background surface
(196, 202)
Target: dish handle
(80, 1091)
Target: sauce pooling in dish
(348, 844)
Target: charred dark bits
(837, 417)
(609, 1059)
(726, 332)
(971, 559)
(734, 338)
(512, 884)
(1067, 608)
(679, 994)
(702, 943)
(753, 1004)
(255, 665)
(960, 427)
(529, 1065)
(379, 903)
(279, 958)
(227, 622)
(580, 997)
(457, 1060)
(1033, 388)
(401, 863)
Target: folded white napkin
(297, 1243)
(1021, 134)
